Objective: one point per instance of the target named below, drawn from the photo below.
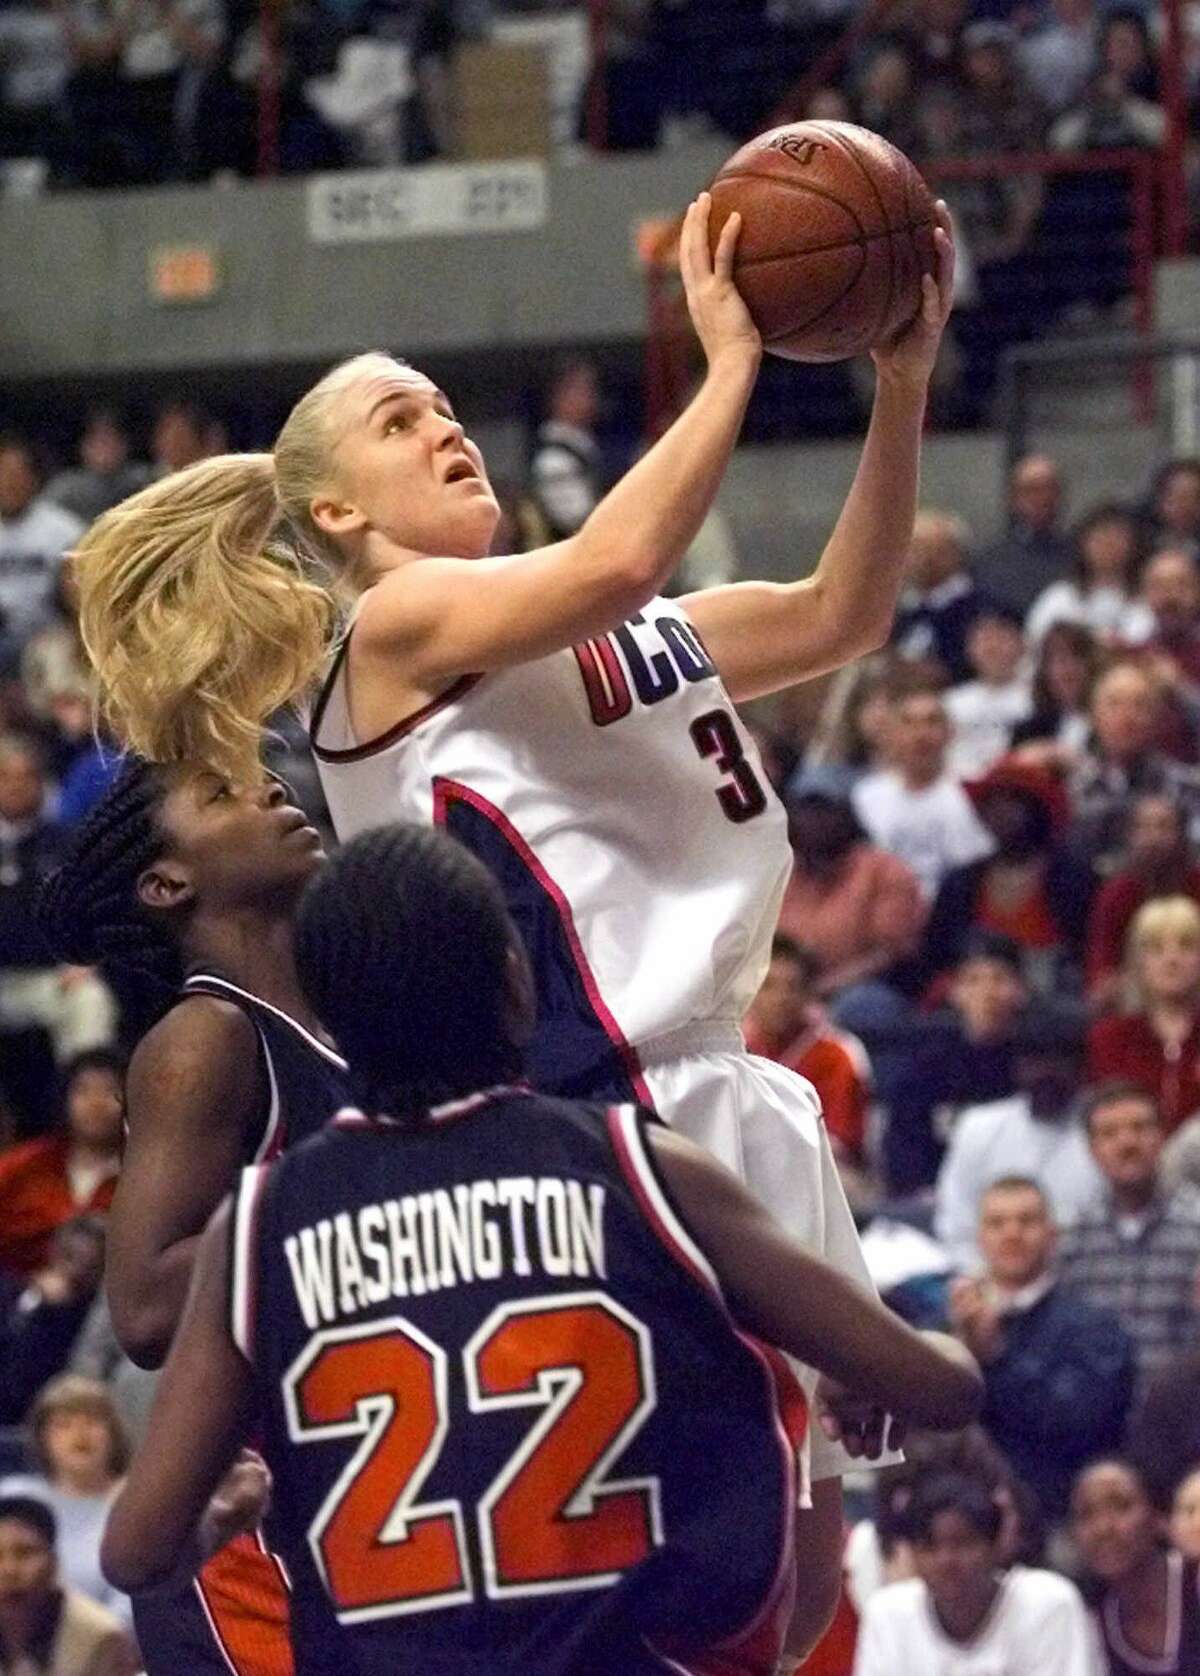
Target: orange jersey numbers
(551, 1520)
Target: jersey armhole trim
(626, 1129)
(406, 724)
(243, 1258)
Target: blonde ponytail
(199, 620)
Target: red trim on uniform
(349, 1117)
(447, 791)
(246, 1600)
(648, 1209)
(356, 753)
(759, 1644)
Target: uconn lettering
(649, 660)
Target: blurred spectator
(98, 1355)
(183, 434)
(82, 1452)
(1101, 594)
(1109, 117)
(88, 759)
(41, 1319)
(53, 660)
(105, 474)
(1058, 1374)
(1175, 503)
(1122, 765)
(850, 736)
(1139, 1255)
(1036, 1133)
(69, 1002)
(1185, 1517)
(1022, 1622)
(1002, 112)
(1170, 593)
(855, 906)
(1068, 662)
(73, 1171)
(1164, 1432)
(964, 1057)
(46, 1630)
(161, 51)
(1126, 51)
(1030, 888)
(1158, 863)
(941, 600)
(1061, 55)
(1158, 1045)
(1036, 550)
(885, 91)
(566, 479)
(914, 808)
(35, 64)
(787, 1024)
(34, 535)
(983, 712)
(1148, 1615)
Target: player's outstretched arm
(765, 636)
(193, 1085)
(448, 617)
(789, 1297)
(202, 1412)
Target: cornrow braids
(403, 943)
(88, 907)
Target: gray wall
(74, 294)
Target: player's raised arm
(190, 1098)
(788, 1297)
(765, 636)
(201, 1413)
(447, 617)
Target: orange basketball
(837, 231)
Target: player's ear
(336, 517)
(519, 1009)
(165, 884)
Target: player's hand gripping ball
(838, 232)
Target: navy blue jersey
(233, 1617)
(306, 1081)
(511, 1423)
(1181, 1651)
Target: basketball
(837, 231)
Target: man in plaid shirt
(1140, 1256)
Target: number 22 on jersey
(549, 1522)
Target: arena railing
(1078, 247)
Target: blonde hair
(1165, 916)
(210, 600)
(71, 1393)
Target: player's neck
(253, 949)
(964, 1620)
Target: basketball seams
(851, 152)
(836, 244)
(807, 325)
(797, 186)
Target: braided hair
(403, 944)
(88, 908)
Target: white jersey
(612, 790)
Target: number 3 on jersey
(550, 1521)
(741, 796)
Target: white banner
(368, 205)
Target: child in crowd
(983, 712)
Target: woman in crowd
(1158, 1044)
(1175, 504)
(72, 1172)
(1157, 862)
(1101, 592)
(1149, 1608)
(856, 907)
(964, 1604)
(81, 1452)
(1185, 1516)
(1030, 889)
(1068, 662)
(849, 737)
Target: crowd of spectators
(987, 961)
